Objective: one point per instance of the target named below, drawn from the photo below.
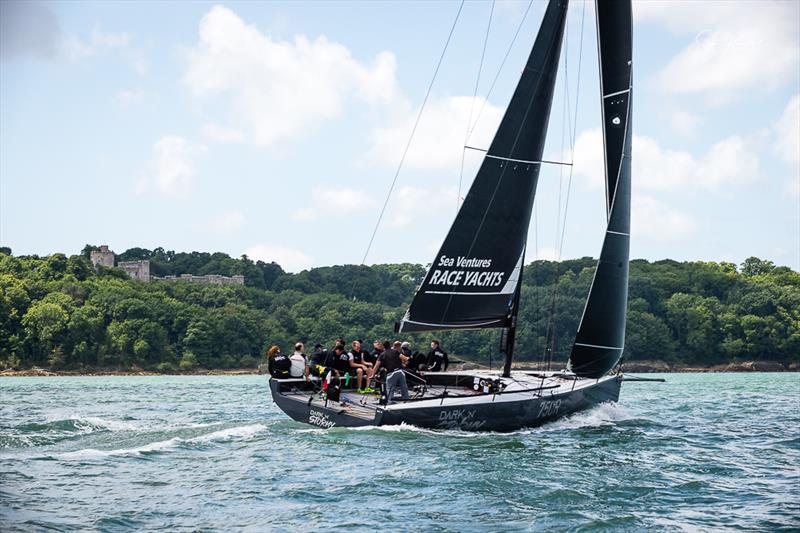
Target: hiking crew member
(341, 361)
(437, 358)
(392, 361)
(277, 363)
(416, 360)
(359, 367)
(366, 355)
(320, 360)
(405, 349)
(377, 349)
(299, 364)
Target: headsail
(473, 280)
(601, 335)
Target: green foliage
(62, 312)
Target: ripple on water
(215, 454)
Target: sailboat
(475, 279)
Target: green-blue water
(700, 452)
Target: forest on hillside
(60, 312)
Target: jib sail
(601, 335)
(473, 279)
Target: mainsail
(601, 335)
(473, 281)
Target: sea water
(214, 453)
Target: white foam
(88, 424)
(93, 422)
(91, 453)
(604, 414)
(239, 433)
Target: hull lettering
(318, 418)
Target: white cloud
(76, 48)
(227, 222)
(654, 220)
(736, 45)
(787, 130)
(290, 259)
(588, 160)
(279, 89)
(323, 198)
(221, 134)
(685, 123)
(99, 43)
(129, 97)
(728, 162)
(439, 138)
(172, 167)
(32, 29)
(415, 204)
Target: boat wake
(238, 433)
(82, 424)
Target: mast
(474, 281)
(509, 335)
(600, 339)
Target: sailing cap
(405, 344)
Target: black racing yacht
(475, 279)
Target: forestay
(473, 280)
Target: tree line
(61, 312)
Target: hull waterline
(507, 411)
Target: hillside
(59, 312)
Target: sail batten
(600, 340)
(474, 279)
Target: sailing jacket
(279, 365)
(437, 360)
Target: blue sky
(274, 129)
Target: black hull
(502, 412)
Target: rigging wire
(494, 193)
(411, 137)
(472, 107)
(572, 123)
(550, 342)
(500, 68)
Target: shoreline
(639, 367)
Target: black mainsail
(474, 280)
(601, 335)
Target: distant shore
(642, 367)
(658, 366)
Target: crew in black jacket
(321, 360)
(277, 363)
(437, 358)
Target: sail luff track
(483, 251)
(600, 339)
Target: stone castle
(103, 256)
(141, 270)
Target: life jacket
(368, 357)
(281, 365)
(342, 363)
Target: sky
(275, 129)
